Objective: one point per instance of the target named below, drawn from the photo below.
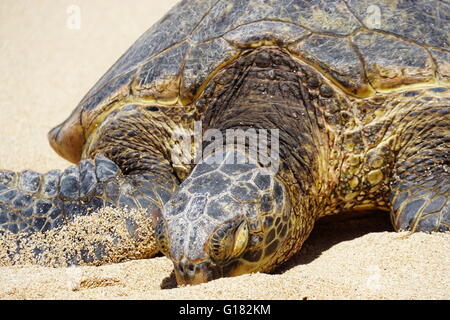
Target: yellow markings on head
(354, 182)
(349, 146)
(376, 163)
(375, 176)
(375, 159)
(353, 170)
(166, 102)
(354, 160)
(380, 112)
(350, 196)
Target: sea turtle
(353, 95)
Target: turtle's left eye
(161, 238)
(152, 108)
(228, 241)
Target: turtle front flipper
(32, 204)
(422, 205)
(420, 196)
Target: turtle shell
(362, 46)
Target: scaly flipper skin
(420, 198)
(36, 203)
(31, 202)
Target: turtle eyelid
(152, 108)
(241, 236)
(229, 240)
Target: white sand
(46, 68)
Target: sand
(46, 68)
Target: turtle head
(224, 220)
(218, 255)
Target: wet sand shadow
(169, 282)
(332, 230)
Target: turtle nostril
(195, 273)
(186, 268)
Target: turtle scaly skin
(359, 92)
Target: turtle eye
(228, 241)
(161, 238)
(152, 108)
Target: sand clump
(107, 236)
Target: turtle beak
(68, 138)
(196, 273)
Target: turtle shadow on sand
(332, 230)
(169, 282)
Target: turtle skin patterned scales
(356, 93)
(420, 188)
(31, 202)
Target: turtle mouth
(189, 273)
